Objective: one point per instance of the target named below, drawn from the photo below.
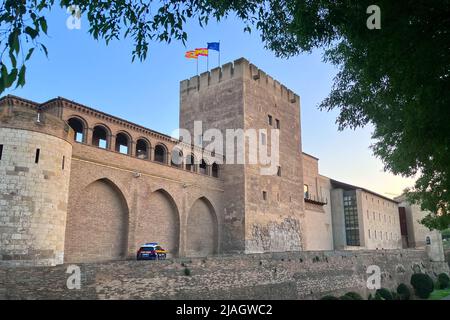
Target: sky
(103, 77)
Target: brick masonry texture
(241, 96)
(33, 189)
(288, 275)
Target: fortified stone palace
(80, 185)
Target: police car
(151, 251)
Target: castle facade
(80, 185)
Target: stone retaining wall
(293, 275)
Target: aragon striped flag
(191, 54)
(202, 52)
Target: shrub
(329, 297)
(354, 295)
(384, 293)
(443, 280)
(377, 296)
(395, 296)
(344, 297)
(187, 271)
(422, 284)
(403, 291)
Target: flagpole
(197, 65)
(219, 53)
(207, 62)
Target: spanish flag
(201, 52)
(191, 54)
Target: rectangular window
(36, 158)
(279, 171)
(264, 195)
(269, 118)
(1, 151)
(79, 137)
(369, 233)
(277, 123)
(351, 218)
(63, 162)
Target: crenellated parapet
(240, 68)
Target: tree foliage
(396, 78)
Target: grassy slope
(439, 294)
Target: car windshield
(147, 249)
(159, 248)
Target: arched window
(78, 126)
(142, 149)
(190, 163)
(203, 167)
(122, 143)
(100, 137)
(160, 153)
(177, 158)
(215, 170)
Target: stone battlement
(240, 68)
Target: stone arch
(215, 170)
(202, 229)
(203, 167)
(161, 153)
(123, 142)
(143, 147)
(79, 126)
(101, 136)
(159, 222)
(191, 162)
(176, 158)
(98, 229)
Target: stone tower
(35, 156)
(263, 212)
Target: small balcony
(315, 200)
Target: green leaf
(30, 52)
(11, 78)
(12, 58)
(21, 76)
(13, 41)
(45, 49)
(31, 32)
(43, 24)
(4, 73)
